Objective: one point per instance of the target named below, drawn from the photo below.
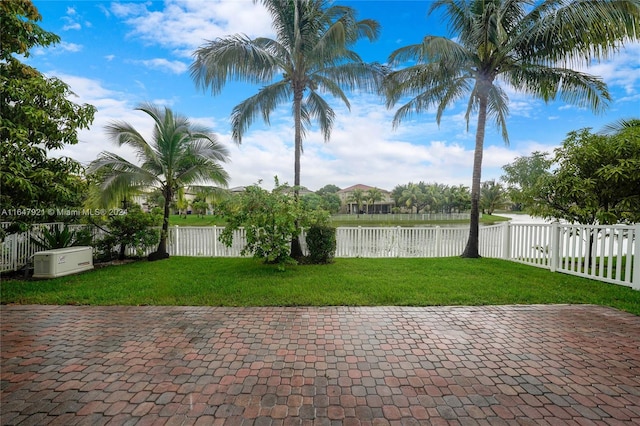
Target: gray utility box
(60, 262)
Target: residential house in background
(382, 206)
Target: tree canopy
(37, 117)
(522, 175)
(595, 179)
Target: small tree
(328, 189)
(200, 207)
(492, 197)
(179, 154)
(522, 175)
(413, 196)
(596, 179)
(269, 220)
(133, 228)
(331, 203)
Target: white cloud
(183, 25)
(73, 20)
(59, 48)
(72, 26)
(69, 47)
(111, 106)
(621, 70)
(363, 149)
(174, 67)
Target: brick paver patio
(491, 365)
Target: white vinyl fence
(399, 217)
(605, 253)
(609, 253)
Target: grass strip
(352, 282)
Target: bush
(133, 229)
(321, 242)
(56, 238)
(269, 221)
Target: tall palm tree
(179, 154)
(311, 53)
(529, 45)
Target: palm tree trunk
(161, 252)
(296, 248)
(472, 248)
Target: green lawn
(354, 282)
(195, 220)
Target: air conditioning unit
(61, 262)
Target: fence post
(14, 249)
(506, 241)
(177, 240)
(359, 245)
(438, 250)
(554, 247)
(635, 271)
(215, 241)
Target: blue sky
(118, 54)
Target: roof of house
(360, 186)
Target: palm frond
(123, 133)
(498, 109)
(264, 102)
(330, 85)
(234, 57)
(202, 170)
(320, 110)
(119, 177)
(547, 83)
(580, 31)
(352, 76)
(620, 126)
(207, 146)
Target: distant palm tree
(358, 197)
(373, 195)
(492, 197)
(181, 203)
(179, 154)
(526, 44)
(311, 52)
(413, 197)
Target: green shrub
(133, 229)
(56, 238)
(269, 221)
(321, 242)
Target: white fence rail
(399, 217)
(605, 253)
